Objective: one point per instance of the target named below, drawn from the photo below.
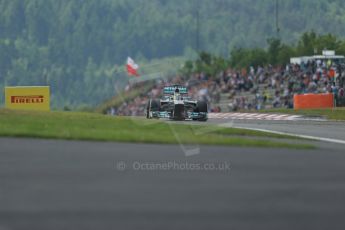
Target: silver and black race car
(177, 105)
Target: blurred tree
(47, 39)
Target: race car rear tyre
(152, 106)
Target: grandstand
(258, 88)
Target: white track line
(296, 135)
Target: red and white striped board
(254, 116)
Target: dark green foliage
(73, 45)
(277, 53)
(207, 63)
(245, 57)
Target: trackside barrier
(313, 101)
(28, 98)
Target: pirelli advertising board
(28, 98)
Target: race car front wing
(169, 115)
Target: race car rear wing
(171, 89)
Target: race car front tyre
(201, 107)
(152, 106)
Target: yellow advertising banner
(28, 98)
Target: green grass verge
(331, 114)
(92, 126)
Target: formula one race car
(176, 105)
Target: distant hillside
(74, 44)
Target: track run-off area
(295, 125)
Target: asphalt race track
(50, 184)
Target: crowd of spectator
(252, 89)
